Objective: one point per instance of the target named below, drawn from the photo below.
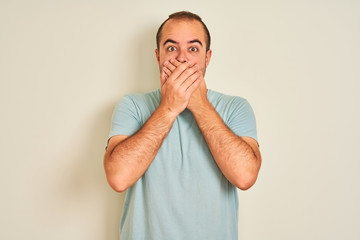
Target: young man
(182, 150)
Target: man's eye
(171, 49)
(193, 49)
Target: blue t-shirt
(183, 194)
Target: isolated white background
(65, 64)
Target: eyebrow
(169, 41)
(196, 41)
(175, 42)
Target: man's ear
(208, 57)
(157, 55)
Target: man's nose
(182, 56)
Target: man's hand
(178, 82)
(199, 97)
(198, 94)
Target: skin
(182, 60)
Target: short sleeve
(242, 119)
(125, 119)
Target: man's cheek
(166, 57)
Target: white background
(65, 64)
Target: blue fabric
(183, 194)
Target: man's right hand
(128, 157)
(177, 85)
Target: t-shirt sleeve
(125, 119)
(242, 119)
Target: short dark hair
(188, 16)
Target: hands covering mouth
(182, 85)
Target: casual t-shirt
(183, 194)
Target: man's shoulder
(152, 97)
(151, 94)
(218, 97)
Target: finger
(195, 77)
(187, 73)
(167, 71)
(193, 85)
(175, 62)
(170, 66)
(182, 68)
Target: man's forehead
(175, 42)
(174, 27)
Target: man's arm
(238, 158)
(128, 157)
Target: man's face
(185, 41)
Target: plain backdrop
(65, 64)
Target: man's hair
(184, 15)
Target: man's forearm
(128, 160)
(238, 158)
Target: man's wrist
(167, 112)
(201, 107)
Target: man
(181, 151)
